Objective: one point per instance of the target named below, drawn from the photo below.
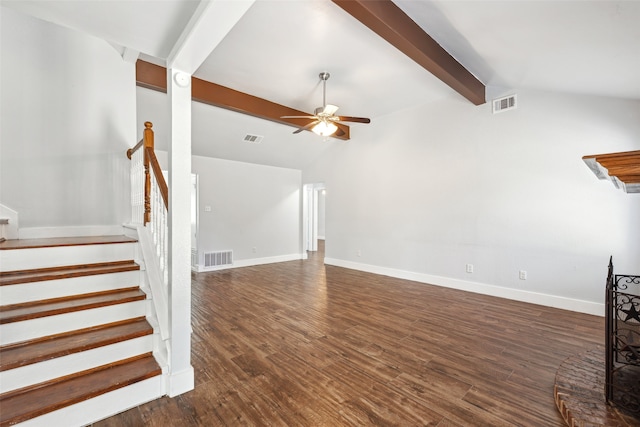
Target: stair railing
(149, 205)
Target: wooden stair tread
(30, 402)
(54, 273)
(36, 309)
(46, 348)
(63, 241)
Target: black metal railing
(622, 324)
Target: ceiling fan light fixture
(325, 116)
(324, 129)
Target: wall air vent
(218, 259)
(504, 104)
(252, 139)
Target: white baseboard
(181, 382)
(254, 261)
(554, 301)
(73, 231)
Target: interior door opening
(313, 215)
(194, 222)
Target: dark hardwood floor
(303, 344)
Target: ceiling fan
(324, 118)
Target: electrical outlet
(207, 208)
(254, 249)
(469, 268)
(359, 252)
(523, 275)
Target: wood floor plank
(301, 343)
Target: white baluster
(137, 187)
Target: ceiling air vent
(504, 104)
(252, 139)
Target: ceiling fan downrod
(324, 76)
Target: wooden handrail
(135, 148)
(157, 171)
(149, 158)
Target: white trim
(74, 231)
(254, 261)
(554, 301)
(181, 382)
(155, 281)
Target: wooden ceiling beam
(389, 21)
(623, 169)
(154, 77)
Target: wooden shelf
(623, 169)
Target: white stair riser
(50, 325)
(28, 259)
(103, 406)
(66, 365)
(34, 291)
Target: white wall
(424, 192)
(67, 119)
(252, 206)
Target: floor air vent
(504, 104)
(218, 259)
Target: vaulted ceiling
(277, 48)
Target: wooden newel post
(147, 137)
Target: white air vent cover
(252, 139)
(504, 104)
(217, 259)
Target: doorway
(194, 222)
(313, 215)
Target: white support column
(181, 377)
(211, 21)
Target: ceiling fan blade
(309, 126)
(330, 110)
(297, 117)
(353, 119)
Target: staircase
(76, 331)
